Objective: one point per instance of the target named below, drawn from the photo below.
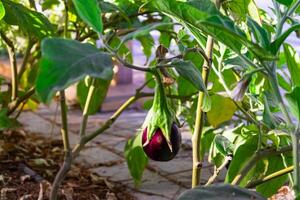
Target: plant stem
(25, 58)
(105, 126)
(15, 104)
(13, 65)
(256, 157)
(85, 113)
(296, 157)
(270, 177)
(285, 16)
(64, 132)
(196, 138)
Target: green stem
(25, 58)
(85, 114)
(105, 126)
(196, 138)
(270, 177)
(255, 158)
(13, 65)
(296, 157)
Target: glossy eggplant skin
(157, 149)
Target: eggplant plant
(224, 68)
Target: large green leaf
(136, 158)
(2, 10)
(220, 192)
(293, 63)
(204, 16)
(65, 62)
(30, 22)
(90, 13)
(100, 88)
(294, 101)
(222, 110)
(275, 45)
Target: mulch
(29, 163)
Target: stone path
(104, 155)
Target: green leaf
(204, 16)
(147, 43)
(136, 158)
(285, 2)
(239, 9)
(206, 140)
(6, 122)
(65, 62)
(275, 164)
(223, 145)
(2, 10)
(260, 34)
(99, 93)
(144, 30)
(222, 110)
(275, 45)
(90, 13)
(293, 63)
(293, 99)
(188, 71)
(243, 152)
(30, 22)
(220, 192)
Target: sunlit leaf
(90, 13)
(29, 21)
(2, 10)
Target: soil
(28, 164)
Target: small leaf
(99, 93)
(188, 71)
(260, 34)
(222, 110)
(31, 22)
(293, 99)
(65, 62)
(293, 63)
(220, 192)
(6, 122)
(275, 45)
(223, 145)
(2, 10)
(136, 158)
(90, 13)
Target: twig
(25, 58)
(270, 177)
(15, 104)
(13, 65)
(218, 170)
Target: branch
(13, 65)
(25, 58)
(15, 104)
(270, 177)
(256, 157)
(218, 170)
